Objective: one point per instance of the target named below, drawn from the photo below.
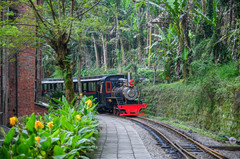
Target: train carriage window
(98, 86)
(108, 87)
(84, 87)
(55, 87)
(75, 87)
(92, 87)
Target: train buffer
(119, 140)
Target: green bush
(210, 101)
(67, 132)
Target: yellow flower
(89, 103)
(78, 117)
(13, 120)
(38, 124)
(37, 139)
(50, 124)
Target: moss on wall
(211, 103)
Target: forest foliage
(193, 44)
(167, 36)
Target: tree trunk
(96, 51)
(147, 19)
(68, 81)
(122, 52)
(203, 6)
(140, 40)
(179, 54)
(185, 28)
(117, 45)
(233, 16)
(150, 43)
(79, 67)
(66, 66)
(155, 73)
(104, 52)
(207, 27)
(117, 33)
(139, 48)
(87, 56)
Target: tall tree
(96, 51)
(55, 20)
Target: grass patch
(185, 126)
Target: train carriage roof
(83, 79)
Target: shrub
(69, 132)
(209, 100)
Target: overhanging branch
(84, 12)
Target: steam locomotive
(113, 93)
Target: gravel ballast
(157, 152)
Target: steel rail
(167, 140)
(200, 146)
(186, 152)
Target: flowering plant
(68, 132)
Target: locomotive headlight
(130, 93)
(110, 100)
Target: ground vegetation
(67, 131)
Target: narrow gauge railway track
(184, 145)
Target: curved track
(184, 146)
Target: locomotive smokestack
(128, 78)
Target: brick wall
(11, 111)
(21, 78)
(26, 81)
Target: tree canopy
(168, 36)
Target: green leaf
(57, 151)
(74, 140)
(22, 149)
(25, 133)
(185, 54)
(45, 143)
(156, 5)
(73, 152)
(54, 140)
(215, 3)
(56, 133)
(176, 6)
(88, 135)
(4, 153)
(66, 125)
(59, 157)
(209, 21)
(65, 102)
(83, 130)
(56, 122)
(62, 137)
(9, 136)
(31, 122)
(3, 132)
(69, 142)
(31, 140)
(82, 141)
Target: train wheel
(118, 113)
(100, 110)
(114, 111)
